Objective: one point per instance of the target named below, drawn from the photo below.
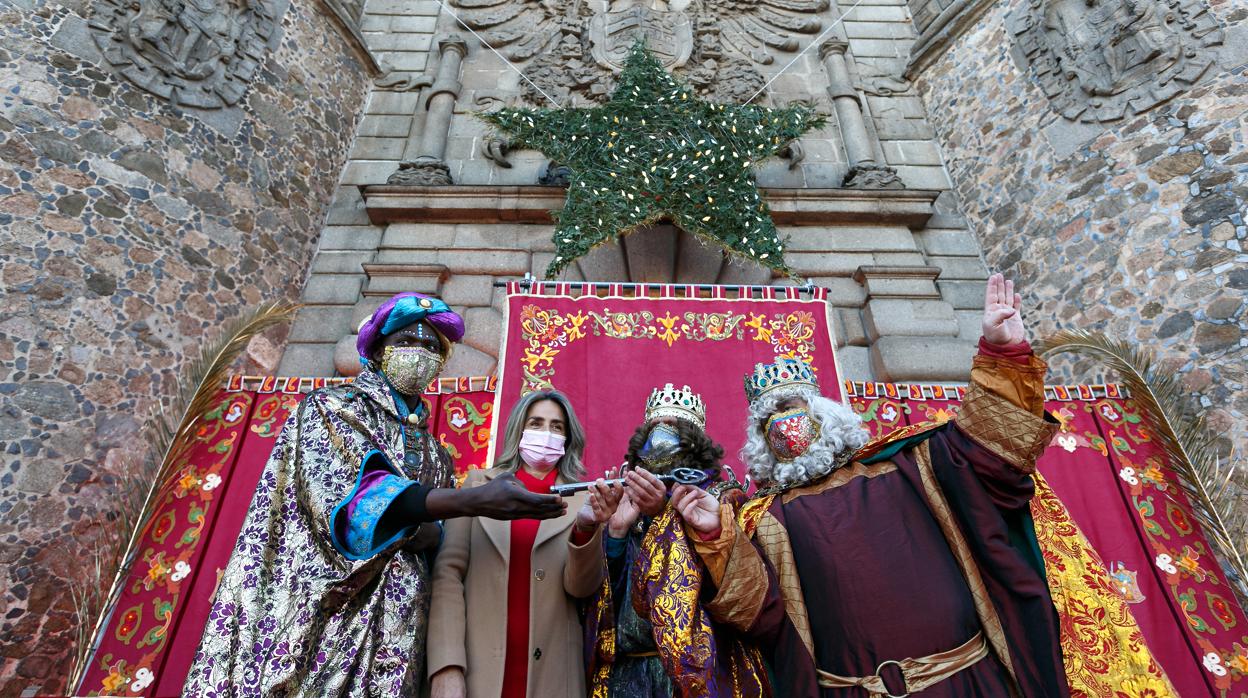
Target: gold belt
(916, 674)
(638, 655)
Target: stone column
(423, 162)
(864, 171)
(912, 330)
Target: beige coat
(468, 616)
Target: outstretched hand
(602, 503)
(646, 491)
(1003, 321)
(504, 498)
(697, 507)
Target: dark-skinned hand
(503, 498)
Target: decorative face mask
(410, 369)
(661, 446)
(790, 433)
(541, 449)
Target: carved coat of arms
(194, 53)
(1103, 60)
(571, 49)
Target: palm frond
(1216, 489)
(131, 502)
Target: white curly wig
(841, 433)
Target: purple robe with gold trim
(905, 553)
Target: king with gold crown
(647, 633)
(910, 564)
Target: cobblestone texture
(1140, 232)
(129, 230)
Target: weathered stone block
(855, 364)
(842, 290)
(922, 359)
(604, 263)
(963, 295)
(367, 148)
(347, 208)
(909, 317)
(850, 329)
(959, 267)
(879, 47)
(483, 329)
(361, 172)
(321, 323)
(923, 177)
(307, 359)
(699, 262)
(400, 103)
(958, 242)
(498, 262)
(465, 290)
(340, 262)
(744, 273)
(418, 235)
(845, 239)
(970, 324)
(467, 361)
(911, 153)
(815, 264)
(332, 288)
(350, 237)
(652, 254)
(387, 277)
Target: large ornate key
(680, 476)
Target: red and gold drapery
(1105, 468)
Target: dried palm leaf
(1216, 489)
(131, 502)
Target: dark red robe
(880, 577)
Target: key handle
(680, 476)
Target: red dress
(523, 533)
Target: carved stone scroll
(194, 53)
(1105, 60)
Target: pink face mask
(541, 449)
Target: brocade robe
(910, 550)
(647, 631)
(303, 608)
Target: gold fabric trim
(839, 477)
(1104, 652)
(917, 674)
(774, 540)
(1011, 432)
(988, 619)
(738, 571)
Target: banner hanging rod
(528, 281)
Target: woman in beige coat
(503, 622)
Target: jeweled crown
(681, 404)
(783, 376)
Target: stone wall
(1135, 226)
(129, 231)
(906, 278)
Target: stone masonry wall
(129, 231)
(1136, 228)
(939, 320)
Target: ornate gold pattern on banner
(987, 613)
(545, 332)
(1103, 650)
(1014, 434)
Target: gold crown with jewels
(783, 376)
(681, 404)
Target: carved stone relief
(194, 53)
(1104, 60)
(571, 50)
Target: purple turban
(402, 310)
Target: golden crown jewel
(783, 376)
(681, 404)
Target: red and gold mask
(790, 433)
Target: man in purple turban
(328, 589)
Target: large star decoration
(657, 152)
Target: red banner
(608, 353)
(1104, 467)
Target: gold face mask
(410, 369)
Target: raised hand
(1003, 320)
(602, 504)
(449, 683)
(697, 507)
(647, 491)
